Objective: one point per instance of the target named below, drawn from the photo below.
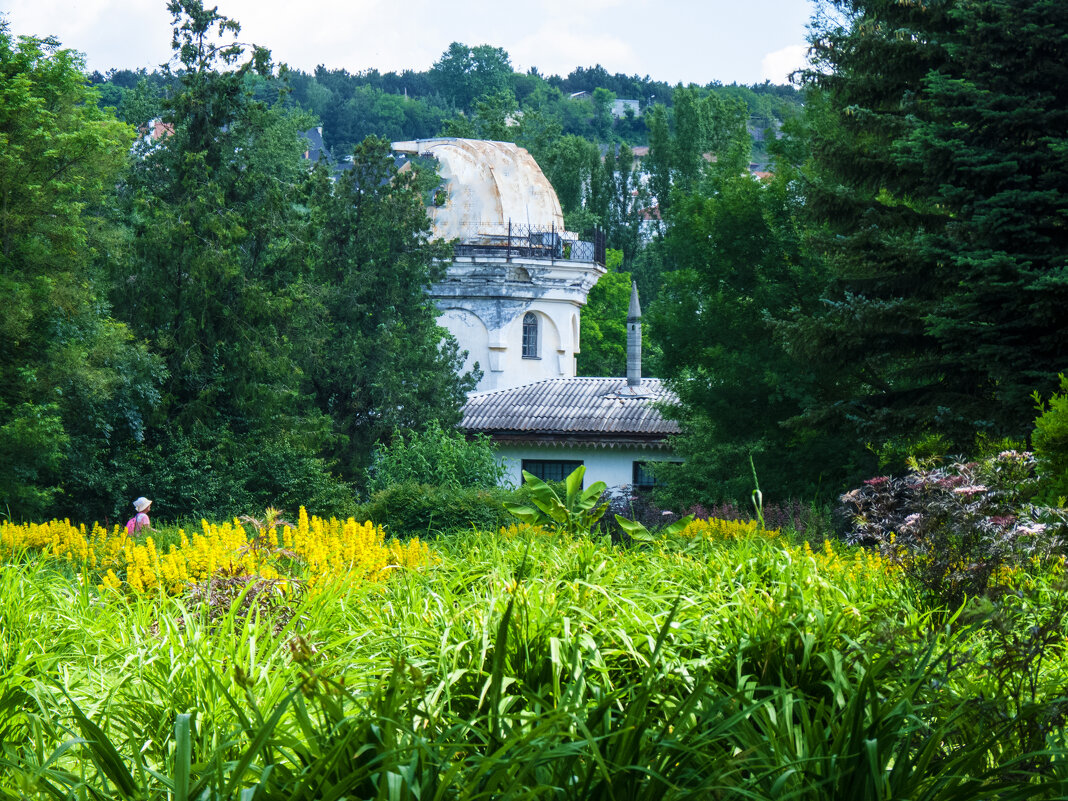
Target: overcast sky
(698, 41)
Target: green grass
(548, 667)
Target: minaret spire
(634, 339)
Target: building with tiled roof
(511, 296)
(613, 426)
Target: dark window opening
(551, 469)
(644, 477)
(530, 336)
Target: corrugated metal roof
(572, 406)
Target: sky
(687, 41)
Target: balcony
(517, 240)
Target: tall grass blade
(104, 754)
(182, 757)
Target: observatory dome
(486, 186)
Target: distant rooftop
(495, 201)
(604, 411)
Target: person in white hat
(140, 519)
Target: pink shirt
(140, 521)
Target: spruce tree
(992, 151)
(937, 191)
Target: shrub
(435, 456)
(954, 528)
(422, 509)
(1050, 441)
(576, 512)
(205, 474)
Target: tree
(218, 212)
(463, 74)
(212, 207)
(69, 374)
(705, 126)
(567, 166)
(937, 189)
(602, 113)
(374, 357)
(740, 263)
(992, 151)
(604, 323)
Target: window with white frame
(530, 336)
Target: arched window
(530, 335)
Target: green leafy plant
(577, 513)
(1050, 441)
(422, 509)
(436, 456)
(636, 531)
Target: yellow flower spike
(326, 548)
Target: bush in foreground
(959, 530)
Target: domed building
(512, 296)
(514, 290)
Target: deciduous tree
(70, 377)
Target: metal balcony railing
(520, 240)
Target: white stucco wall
(483, 302)
(613, 466)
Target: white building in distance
(512, 297)
(514, 290)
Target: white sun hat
(142, 503)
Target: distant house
(578, 95)
(155, 129)
(619, 108)
(315, 149)
(650, 222)
(611, 425)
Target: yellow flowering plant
(314, 550)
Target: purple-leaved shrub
(958, 529)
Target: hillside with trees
(890, 285)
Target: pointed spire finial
(635, 310)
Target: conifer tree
(936, 190)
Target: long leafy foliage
(516, 664)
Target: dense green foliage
(371, 350)
(739, 265)
(899, 286)
(206, 323)
(515, 665)
(425, 510)
(604, 324)
(937, 189)
(70, 376)
(444, 458)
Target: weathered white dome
(487, 185)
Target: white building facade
(512, 296)
(513, 293)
